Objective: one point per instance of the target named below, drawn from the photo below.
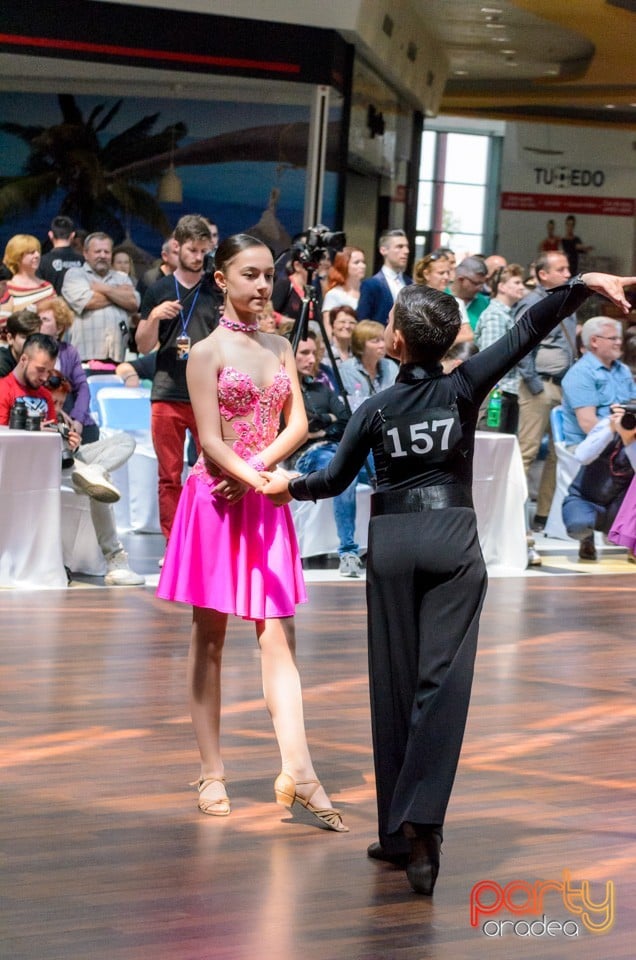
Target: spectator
(178, 311)
(470, 276)
(289, 292)
(608, 455)
(122, 262)
(62, 256)
(495, 321)
(551, 241)
(28, 378)
(368, 371)
(96, 456)
(167, 265)
(597, 380)
(327, 417)
(343, 283)
(433, 270)
(378, 293)
(103, 301)
(542, 371)
(19, 326)
(22, 257)
(342, 321)
(572, 245)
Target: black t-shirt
(201, 306)
(56, 262)
(7, 361)
(422, 429)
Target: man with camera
(176, 312)
(608, 458)
(591, 388)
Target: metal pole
(316, 152)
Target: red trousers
(170, 420)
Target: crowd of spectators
(86, 299)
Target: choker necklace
(239, 325)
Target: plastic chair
(127, 409)
(567, 467)
(97, 383)
(556, 423)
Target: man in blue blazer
(378, 293)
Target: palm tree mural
(99, 192)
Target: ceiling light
(610, 106)
(552, 72)
(508, 53)
(460, 73)
(491, 10)
(495, 26)
(500, 39)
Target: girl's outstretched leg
(283, 696)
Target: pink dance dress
(623, 530)
(240, 558)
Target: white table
(30, 525)
(499, 494)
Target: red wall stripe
(140, 53)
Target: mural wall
(240, 164)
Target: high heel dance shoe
(286, 791)
(220, 807)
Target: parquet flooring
(105, 856)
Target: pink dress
(239, 558)
(623, 530)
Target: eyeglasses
(600, 336)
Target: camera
(628, 420)
(209, 265)
(312, 245)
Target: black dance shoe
(377, 852)
(423, 861)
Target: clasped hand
(276, 487)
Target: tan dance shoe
(286, 791)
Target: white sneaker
(91, 479)
(350, 565)
(534, 557)
(119, 573)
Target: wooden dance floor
(105, 856)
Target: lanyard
(185, 320)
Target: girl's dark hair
(429, 321)
(232, 246)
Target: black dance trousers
(426, 583)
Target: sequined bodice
(253, 412)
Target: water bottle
(493, 413)
(18, 415)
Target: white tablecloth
(30, 528)
(499, 494)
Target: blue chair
(124, 409)
(556, 423)
(97, 383)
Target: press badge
(183, 347)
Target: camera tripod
(299, 332)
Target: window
(456, 192)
